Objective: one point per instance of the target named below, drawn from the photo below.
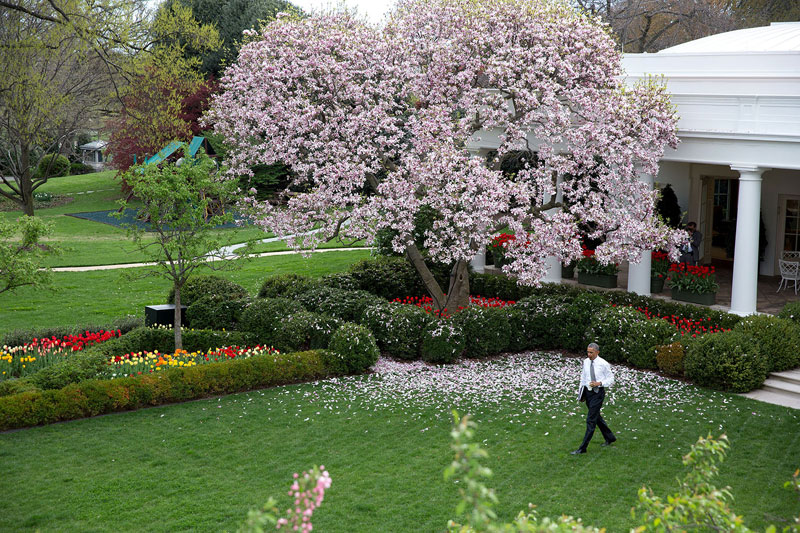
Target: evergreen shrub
(541, 318)
(398, 328)
(357, 346)
(305, 330)
(388, 277)
(609, 328)
(340, 280)
(342, 304)
(728, 361)
(443, 342)
(486, 330)
(644, 337)
(779, 339)
(52, 166)
(286, 286)
(197, 287)
(215, 312)
(263, 317)
(791, 311)
(76, 169)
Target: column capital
(749, 172)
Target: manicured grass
(385, 440)
(102, 296)
(86, 243)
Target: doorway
(723, 218)
(788, 224)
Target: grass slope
(101, 296)
(200, 466)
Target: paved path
(216, 258)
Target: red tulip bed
(19, 361)
(685, 326)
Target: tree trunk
(177, 322)
(458, 292)
(26, 182)
(457, 296)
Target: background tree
(68, 62)
(180, 206)
(230, 18)
(22, 253)
(380, 129)
(158, 100)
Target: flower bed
(694, 279)
(19, 361)
(588, 264)
(133, 364)
(685, 326)
(426, 303)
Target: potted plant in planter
(498, 248)
(568, 270)
(593, 272)
(659, 268)
(696, 284)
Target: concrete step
(779, 385)
(789, 376)
(776, 398)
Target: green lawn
(384, 438)
(101, 296)
(86, 242)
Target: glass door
(790, 224)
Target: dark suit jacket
(696, 239)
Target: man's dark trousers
(594, 401)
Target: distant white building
(738, 99)
(92, 154)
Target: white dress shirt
(602, 373)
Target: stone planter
(568, 271)
(705, 298)
(656, 285)
(608, 281)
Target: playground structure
(215, 205)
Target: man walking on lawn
(595, 377)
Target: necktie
(591, 373)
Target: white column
(639, 273)
(744, 292)
(478, 262)
(553, 264)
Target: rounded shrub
(305, 330)
(581, 309)
(263, 317)
(791, 311)
(779, 339)
(442, 342)
(340, 280)
(356, 345)
(397, 328)
(728, 361)
(669, 358)
(541, 317)
(388, 277)
(339, 303)
(644, 337)
(609, 328)
(215, 312)
(285, 286)
(52, 166)
(76, 169)
(197, 287)
(486, 330)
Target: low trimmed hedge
(398, 328)
(286, 286)
(643, 339)
(340, 303)
(95, 397)
(263, 317)
(216, 312)
(609, 328)
(779, 339)
(486, 330)
(305, 331)
(442, 342)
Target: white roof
(94, 145)
(777, 37)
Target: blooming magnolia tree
(378, 123)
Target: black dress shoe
(578, 452)
(609, 442)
